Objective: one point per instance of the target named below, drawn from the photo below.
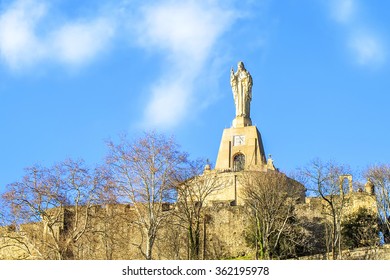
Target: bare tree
(323, 179)
(58, 199)
(144, 171)
(193, 191)
(379, 176)
(272, 197)
(107, 222)
(13, 243)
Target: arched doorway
(238, 162)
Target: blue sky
(76, 73)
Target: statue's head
(240, 65)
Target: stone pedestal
(241, 122)
(241, 140)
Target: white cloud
(183, 32)
(343, 10)
(367, 49)
(184, 28)
(168, 105)
(187, 31)
(72, 43)
(19, 44)
(76, 43)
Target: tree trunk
(149, 246)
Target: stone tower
(241, 149)
(241, 146)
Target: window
(238, 162)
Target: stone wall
(114, 234)
(232, 185)
(225, 232)
(367, 253)
(17, 244)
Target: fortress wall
(113, 233)
(367, 253)
(226, 232)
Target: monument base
(241, 122)
(245, 140)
